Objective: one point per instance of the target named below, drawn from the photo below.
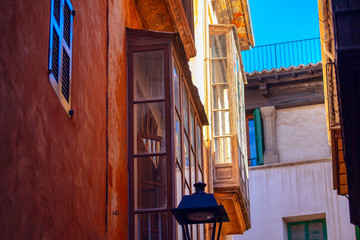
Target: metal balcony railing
(280, 55)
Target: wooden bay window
(165, 134)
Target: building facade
(339, 33)
(102, 127)
(290, 171)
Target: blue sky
(277, 21)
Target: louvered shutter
(258, 137)
(66, 47)
(55, 41)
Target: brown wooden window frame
(143, 41)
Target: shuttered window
(255, 139)
(307, 230)
(60, 51)
(258, 137)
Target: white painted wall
(301, 133)
(294, 189)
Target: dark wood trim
(172, 53)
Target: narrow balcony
(282, 55)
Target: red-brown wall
(122, 14)
(53, 169)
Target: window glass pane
(192, 133)
(194, 231)
(316, 231)
(179, 183)
(187, 158)
(150, 226)
(219, 71)
(192, 170)
(222, 150)
(149, 182)
(198, 145)
(221, 97)
(297, 232)
(177, 87)
(252, 142)
(221, 123)
(149, 75)
(218, 46)
(187, 189)
(185, 108)
(199, 175)
(179, 232)
(177, 140)
(149, 130)
(201, 232)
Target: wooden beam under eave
(181, 26)
(155, 15)
(167, 16)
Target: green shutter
(357, 232)
(258, 137)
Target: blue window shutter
(55, 40)
(258, 137)
(66, 60)
(60, 51)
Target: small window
(307, 230)
(60, 51)
(255, 139)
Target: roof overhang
(167, 16)
(236, 12)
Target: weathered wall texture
(291, 190)
(301, 133)
(122, 14)
(53, 169)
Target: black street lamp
(201, 207)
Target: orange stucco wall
(122, 14)
(53, 169)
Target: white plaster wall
(301, 133)
(287, 190)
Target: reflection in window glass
(201, 231)
(316, 231)
(176, 88)
(219, 71)
(192, 170)
(218, 46)
(149, 130)
(177, 139)
(199, 176)
(150, 182)
(150, 226)
(149, 75)
(198, 145)
(192, 133)
(298, 232)
(187, 189)
(222, 150)
(221, 123)
(179, 192)
(187, 159)
(194, 231)
(221, 97)
(185, 109)
(309, 230)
